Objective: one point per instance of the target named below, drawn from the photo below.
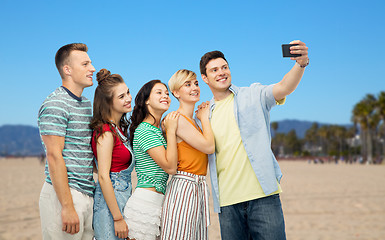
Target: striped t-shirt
(64, 114)
(149, 174)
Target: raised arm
(291, 80)
(167, 159)
(104, 148)
(188, 133)
(59, 177)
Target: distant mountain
(300, 127)
(20, 140)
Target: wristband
(303, 66)
(116, 220)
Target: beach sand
(327, 201)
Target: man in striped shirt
(66, 199)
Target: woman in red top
(113, 154)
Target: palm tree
(381, 105)
(381, 135)
(350, 134)
(274, 126)
(292, 143)
(365, 114)
(279, 143)
(274, 144)
(323, 133)
(381, 111)
(339, 132)
(311, 138)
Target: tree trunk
(363, 143)
(369, 142)
(383, 152)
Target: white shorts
(142, 214)
(50, 214)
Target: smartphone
(286, 50)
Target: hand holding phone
(286, 50)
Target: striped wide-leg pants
(185, 213)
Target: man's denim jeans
(255, 219)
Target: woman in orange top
(185, 213)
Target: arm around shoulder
(204, 141)
(167, 159)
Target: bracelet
(303, 66)
(121, 218)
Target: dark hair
(140, 111)
(61, 57)
(103, 102)
(207, 58)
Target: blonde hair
(179, 78)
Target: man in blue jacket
(244, 173)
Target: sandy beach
(320, 201)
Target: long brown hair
(103, 102)
(140, 111)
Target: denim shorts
(103, 222)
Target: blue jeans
(103, 222)
(255, 219)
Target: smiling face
(80, 69)
(159, 99)
(218, 76)
(121, 99)
(188, 92)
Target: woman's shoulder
(185, 122)
(147, 133)
(146, 127)
(103, 129)
(107, 128)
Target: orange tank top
(190, 159)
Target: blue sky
(153, 39)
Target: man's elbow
(52, 157)
(280, 91)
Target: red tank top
(121, 156)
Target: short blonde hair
(179, 78)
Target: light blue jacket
(251, 110)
